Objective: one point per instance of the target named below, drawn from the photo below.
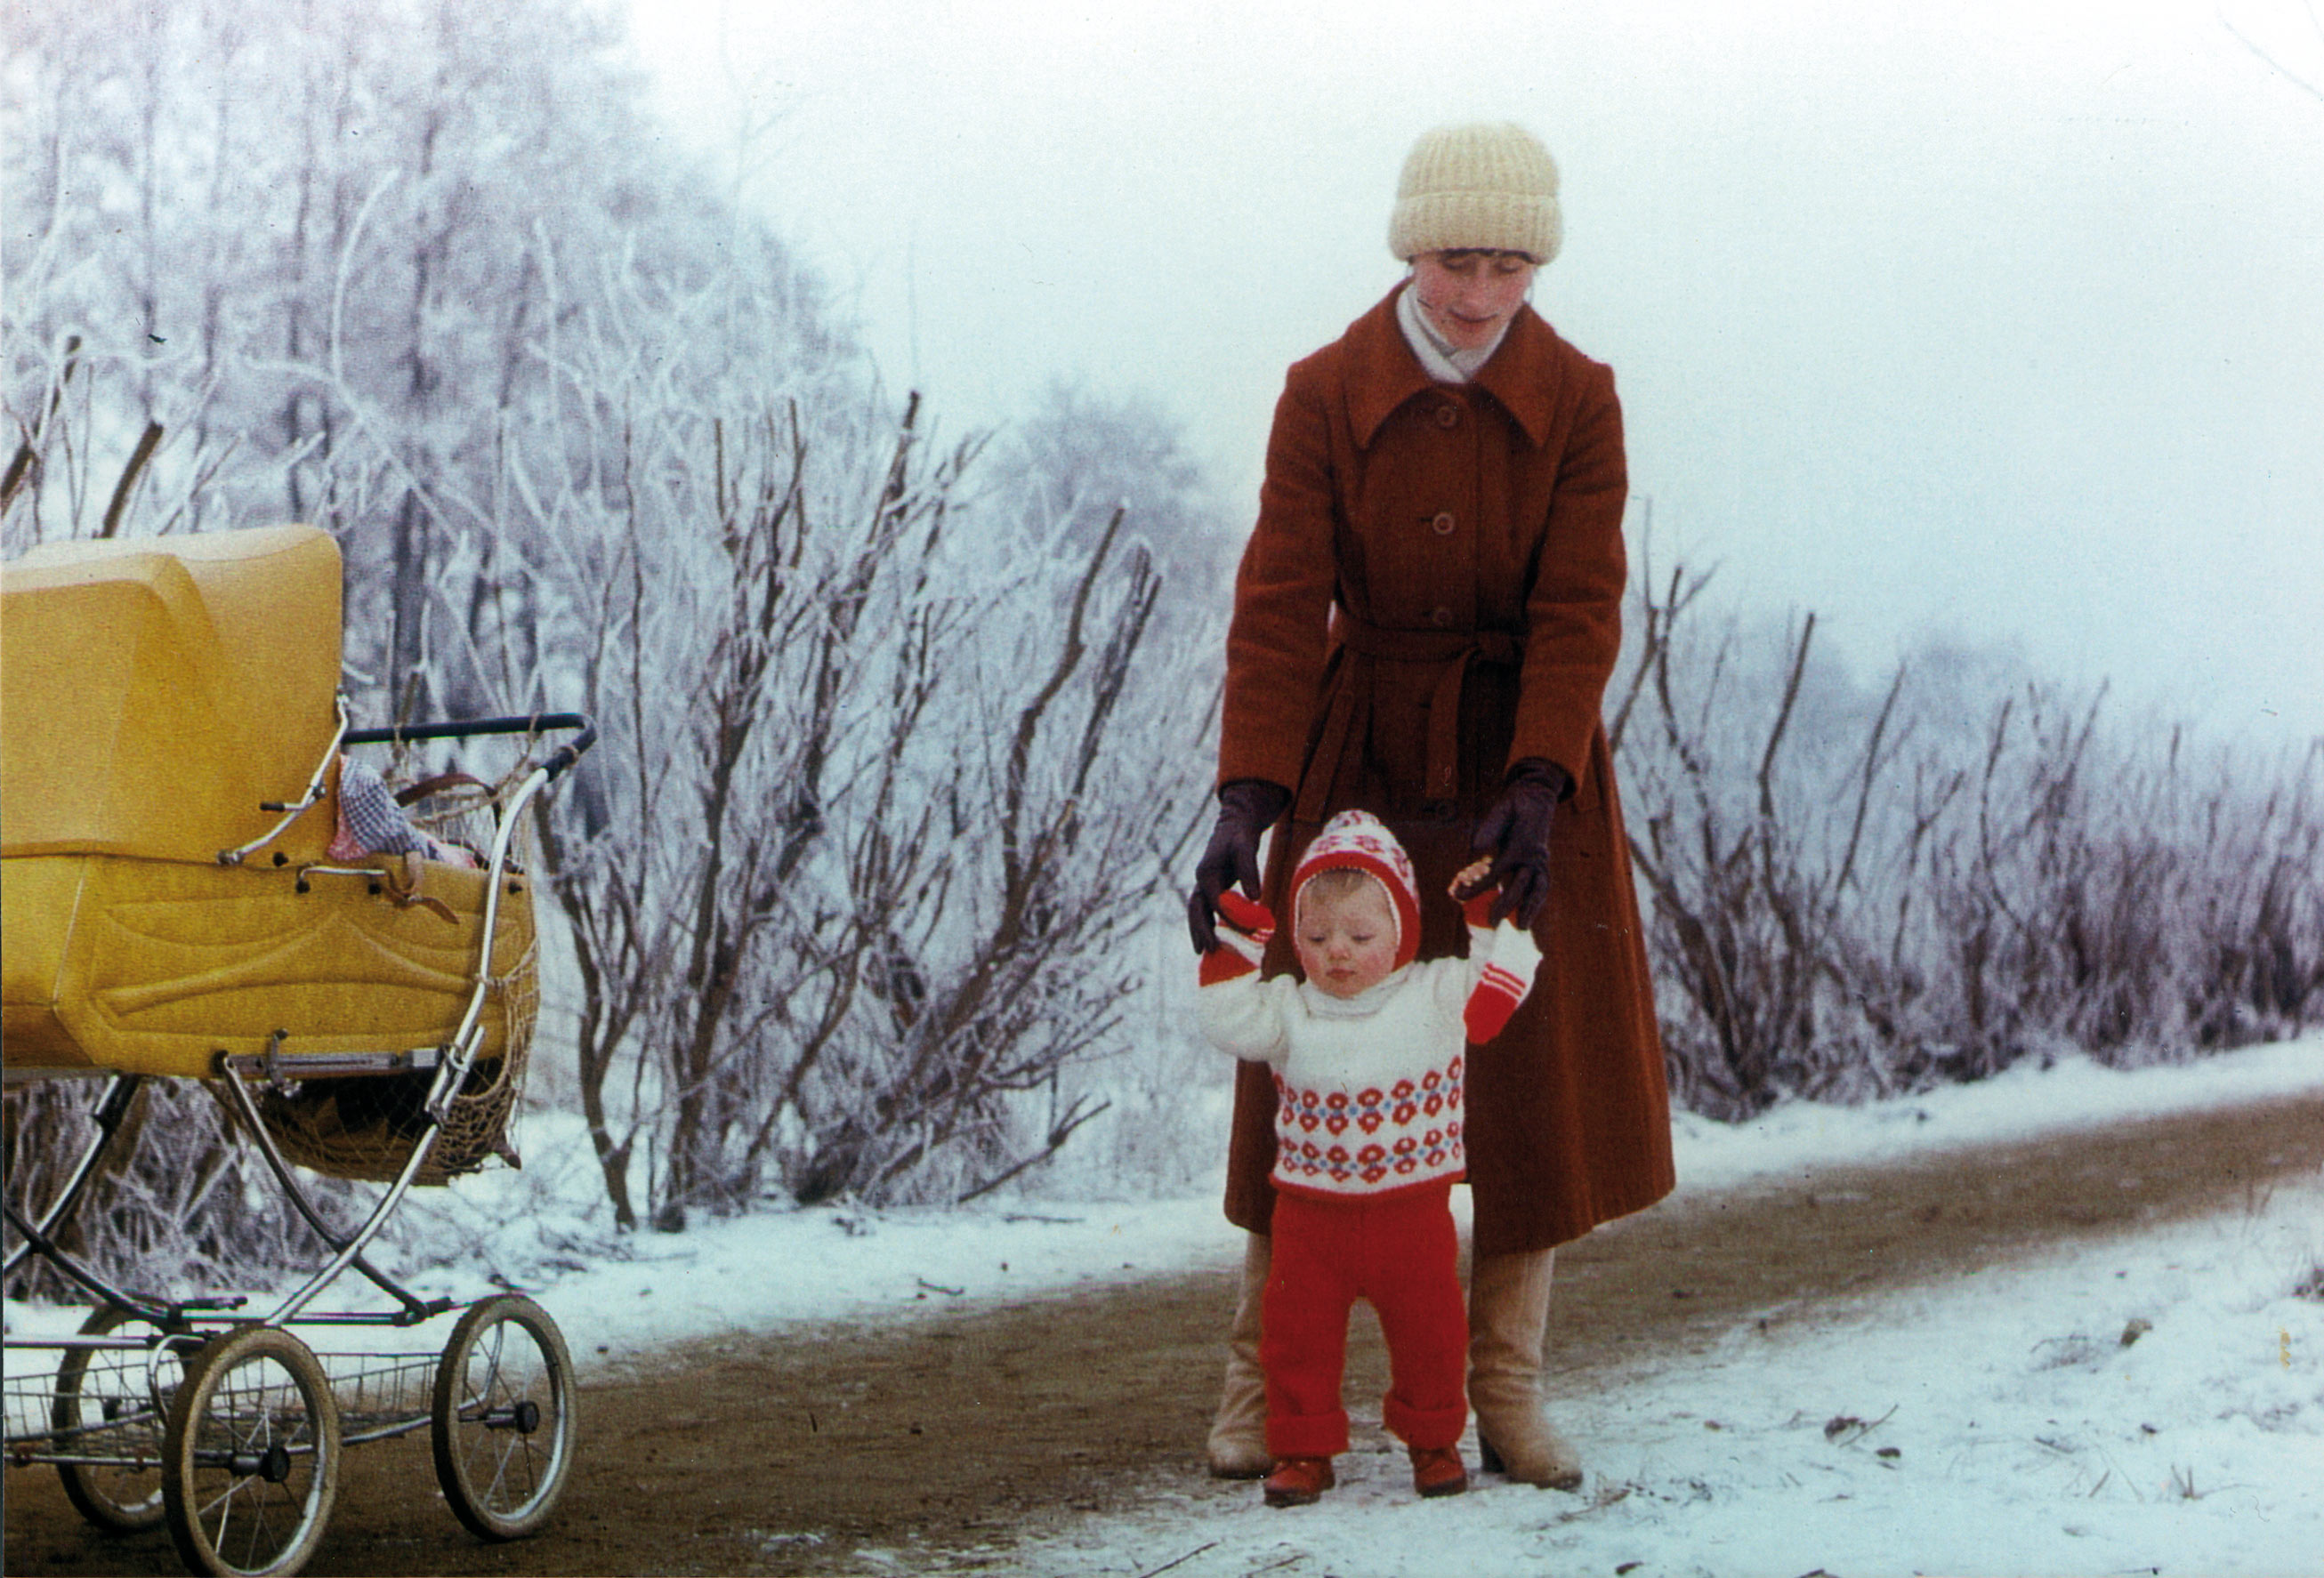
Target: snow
(1998, 1425)
(2000, 1428)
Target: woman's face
(1470, 295)
(1346, 942)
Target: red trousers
(1399, 1254)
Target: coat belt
(1363, 642)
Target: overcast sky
(1999, 320)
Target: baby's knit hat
(1357, 841)
(1491, 185)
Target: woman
(1425, 619)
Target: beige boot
(1508, 1319)
(1238, 1445)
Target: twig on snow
(1841, 1423)
(1165, 1567)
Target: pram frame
(195, 1329)
(317, 787)
(451, 1058)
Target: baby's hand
(1476, 908)
(1244, 929)
(1247, 916)
(1472, 872)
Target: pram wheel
(109, 1402)
(251, 1456)
(503, 1418)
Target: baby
(1369, 1055)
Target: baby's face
(1346, 943)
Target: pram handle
(564, 756)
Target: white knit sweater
(1368, 1088)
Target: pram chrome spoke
(503, 1418)
(251, 1456)
(107, 1418)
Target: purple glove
(1515, 833)
(1248, 807)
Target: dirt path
(802, 1451)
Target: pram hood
(153, 692)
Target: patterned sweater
(1368, 1088)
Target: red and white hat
(1357, 841)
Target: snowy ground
(2000, 1426)
(2004, 1425)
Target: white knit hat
(1490, 186)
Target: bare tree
(1855, 893)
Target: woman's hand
(1247, 808)
(1513, 837)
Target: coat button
(1448, 415)
(1443, 525)
(1442, 619)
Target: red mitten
(1244, 932)
(1504, 981)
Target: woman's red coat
(1417, 543)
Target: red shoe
(1437, 1470)
(1298, 1481)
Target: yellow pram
(181, 898)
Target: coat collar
(1382, 372)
